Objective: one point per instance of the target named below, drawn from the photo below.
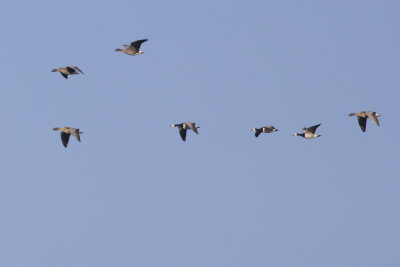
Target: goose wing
(182, 132)
(192, 127)
(362, 122)
(372, 117)
(312, 129)
(71, 70)
(65, 138)
(74, 70)
(138, 43)
(258, 132)
(75, 133)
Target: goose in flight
(264, 129)
(363, 116)
(133, 49)
(66, 133)
(309, 132)
(69, 70)
(183, 127)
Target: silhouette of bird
(264, 129)
(133, 49)
(363, 116)
(309, 132)
(66, 133)
(69, 70)
(183, 127)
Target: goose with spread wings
(66, 132)
(183, 127)
(133, 49)
(309, 132)
(363, 116)
(264, 129)
(68, 70)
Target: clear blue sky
(133, 194)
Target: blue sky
(133, 194)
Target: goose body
(69, 70)
(309, 132)
(66, 132)
(183, 127)
(133, 49)
(264, 129)
(363, 116)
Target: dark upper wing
(258, 132)
(138, 43)
(65, 138)
(182, 132)
(74, 70)
(71, 70)
(79, 70)
(312, 129)
(373, 118)
(64, 75)
(362, 122)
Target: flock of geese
(134, 49)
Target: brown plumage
(363, 116)
(133, 49)
(69, 70)
(66, 133)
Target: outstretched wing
(78, 70)
(312, 129)
(192, 127)
(373, 118)
(182, 132)
(75, 133)
(65, 138)
(64, 75)
(70, 69)
(74, 70)
(138, 43)
(258, 132)
(362, 122)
